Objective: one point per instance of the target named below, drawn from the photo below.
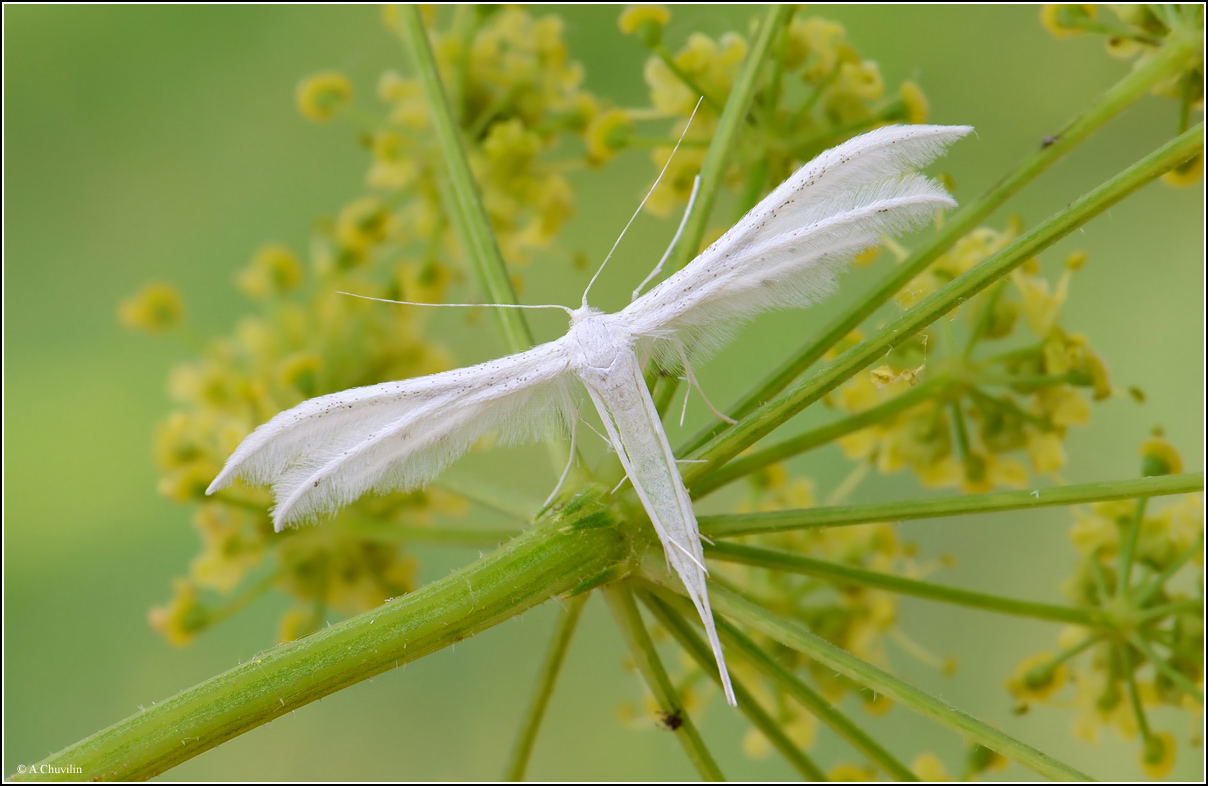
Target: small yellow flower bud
(300, 371)
(295, 623)
(645, 22)
(1036, 678)
(914, 102)
(274, 271)
(866, 258)
(183, 617)
(1122, 48)
(1186, 174)
(851, 773)
(862, 80)
(929, 768)
(1063, 20)
(1158, 457)
(607, 135)
(983, 759)
(322, 96)
(363, 223)
(1157, 757)
(156, 308)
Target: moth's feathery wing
(328, 451)
(788, 250)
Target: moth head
(583, 312)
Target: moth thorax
(599, 339)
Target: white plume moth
(785, 253)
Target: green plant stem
(718, 159)
(1166, 609)
(1181, 50)
(1172, 674)
(796, 636)
(1128, 548)
(805, 695)
(568, 621)
(771, 415)
(823, 435)
(629, 619)
(1158, 581)
(727, 525)
(464, 204)
(695, 646)
(551, 559)
(725, 135)
(1134, 695)
(477, 236)
(774, 559)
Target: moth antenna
(644, 200)
(667, 254)
(450, 305)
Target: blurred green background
(162, 143)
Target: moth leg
(692, 381)
(597, 432)
(617, 487)
(683, 222)
(688, 554)
(570, 462)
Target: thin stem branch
(796, 636)
(477, 236)
(629, 619)
(727, 525)
(773, 559)
(1128, 548)
(1134, 694)
(732, 119)
(823, 435)
(568, 622)
(1172, 674)
(681, 629)
(809, 698)
(1159, 581)
(1166, 609)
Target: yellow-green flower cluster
(1137, 32)
(986, 409)
(1142, 566)
(856, 618)
(817, 92)
(517, 95)
(295, 349)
